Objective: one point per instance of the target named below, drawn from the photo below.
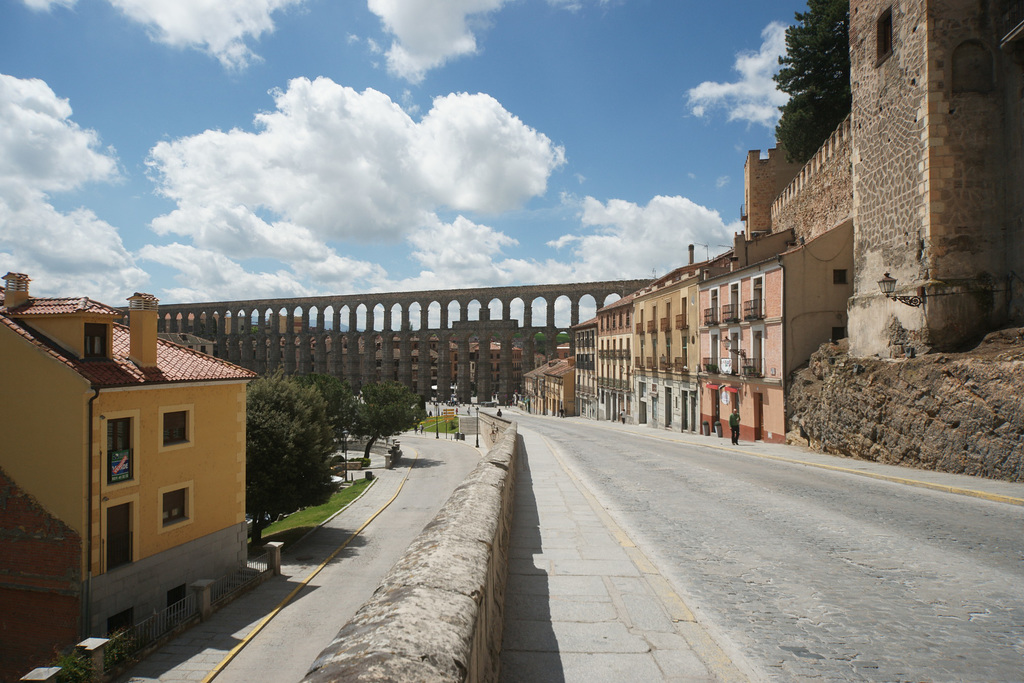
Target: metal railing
(663, 324)
(710, 316)
(709, 364)
(753, 309)
(223, 587)
(730, 313)
(148, 630)
(752, 367)
(681, 321)
(650, 326)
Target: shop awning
(732, 389)
(712, 387)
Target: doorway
(668, 407)
(758, 416)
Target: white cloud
(722, 181)
(213, 276)
(631, 239)
(47, 5)
(42, 151)
(754, 98)
(219, 27)
(331, 163)
(430, 32)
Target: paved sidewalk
(583, 603)
(193, 655)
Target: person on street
(734, 424)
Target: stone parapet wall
(438, 614)
(960, 413)
(821, 195)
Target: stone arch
(434, 315)
(361, 315)
(539, 312)
(415, 316)
(473, 310)
(496, 309)
(587, 308)
(517, 311)
(454, 312)
(563, 312)
(972, 68)
(395, 322)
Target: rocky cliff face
(961, 412)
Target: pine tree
(816, 75)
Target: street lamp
(888, 285)
(727, 343)
(478, 426)
(344, 451)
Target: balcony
(649, 362)
(664, 325)
(753, 309)
(710, 365)
(679, 364)
(730, 313)
(710, 316)
(664, 364)
(752, 367)
(650, 326)
(681, 321)
(638, 362)
(639, 328)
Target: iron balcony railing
(663, 324)
(753, 309)
(710, 364)
(681, 321)
(650, 326)
(730, 313)
(710, 316)
(752, 367)
(639, 328)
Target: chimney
(691, 254)
(16, 285)
(142, 319)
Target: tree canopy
(816, 74)
(289, 442)
(386, 409)
(342, 404)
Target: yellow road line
(273, 613)
(994, 497)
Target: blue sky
(235, 149)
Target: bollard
(204, 602)
(274, 556)
(94, 648)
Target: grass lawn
(295, 526)
(445, 425)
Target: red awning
(712, 387)
(732, 389)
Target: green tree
(342, 405)
(386, 409)
(816, 75)
(288, 447)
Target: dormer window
(95, 340)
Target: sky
(206, 150)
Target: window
(118, 541)
(95, 340)
(176, 595)
(884, 36)
(119, 450)
(174, 427)
(839, 277)
(121, 621)
(174, 506)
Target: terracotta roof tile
(174, 363)
(83, 304)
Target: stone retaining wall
(438, 614)
(961, 413)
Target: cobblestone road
(813, 574)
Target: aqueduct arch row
(355, 336)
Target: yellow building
(668, 353)
(125, 455)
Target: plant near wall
(816, 74)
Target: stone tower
(938, 170)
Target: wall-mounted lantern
(888, 285)
(727, 343)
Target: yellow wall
(211, 465)
(69, 330)
(44, 405)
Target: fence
(148, 630)
(224, 587)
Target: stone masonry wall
(821, 195)
(961, 413)
(438, 614)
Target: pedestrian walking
(734, 424)
(622, 416)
